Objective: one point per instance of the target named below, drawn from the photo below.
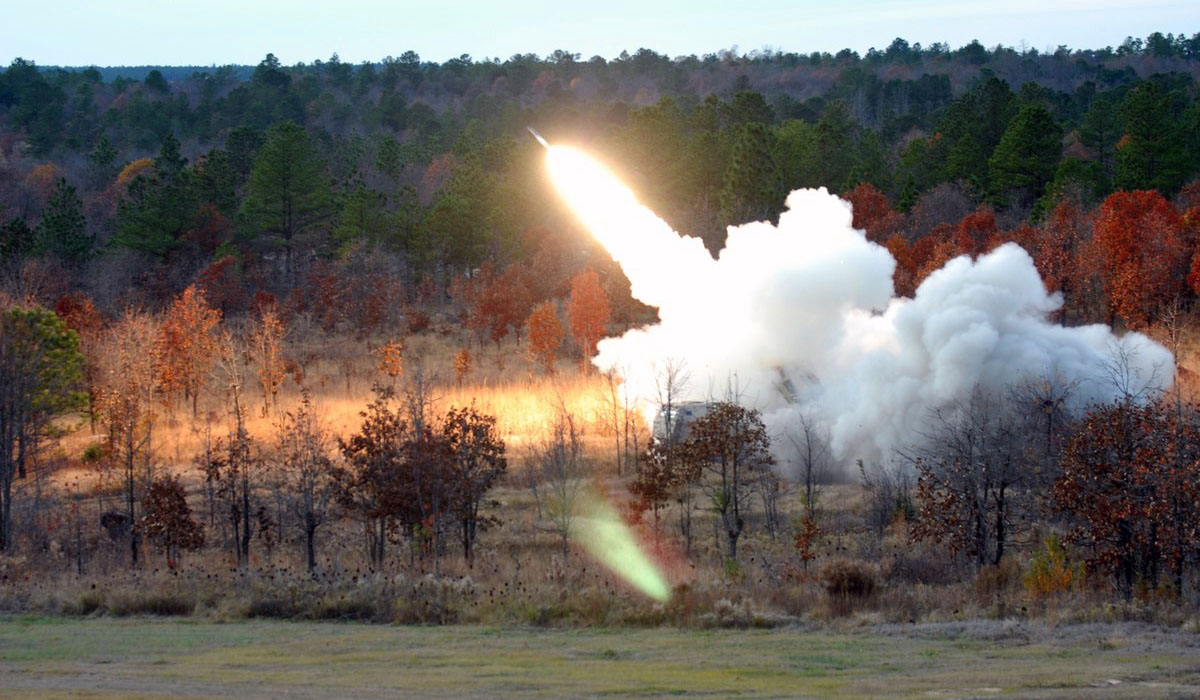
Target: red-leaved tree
(587, 311)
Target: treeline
(136, 189)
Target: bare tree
(128, 380)
(302, 447)
(974, 476)
(557, 476)
(242, 462)
(813, 457)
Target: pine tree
(1025, 159)
(288, 194)
(161, 207)
(63, 230)
(102, 162)
(753, 189)
(1149, 155)
(16, 240)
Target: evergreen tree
(362, 217)
(1150, 154)
(63, 230)
(835, 148)
(1099, 131)
(242, 144)
(102, 162)
(161, 207)
(460, 227)
(389, 159)
(288, 193)
(1025, 159)
(216, 181)
(16, 241)
(753, 189)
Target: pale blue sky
(186, 32)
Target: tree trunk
(129, 511)
(6, 507)
(245, 521)
(310, 534)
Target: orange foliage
(187, 346)
(391, 358)
(588, 313)
(545, 334)
(42, 180)
(873, 213)
(132, 170)
(80, 315)
(904, 278)
(266, 343)
(462, 365)
(1141, 254)
(932, 251)
(976, 232)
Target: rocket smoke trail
(812, 299)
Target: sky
(219, 32)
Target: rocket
(538, 136)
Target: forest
(316, 341)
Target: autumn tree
(237, 470)
(545, 334)
(40, 376)
(655, 484)
(187, 346)
(371, 483)
(462, 365)
(477, 462)
(167, 519)
(309, 476)
(391, 358)
(128, 378)
(873, 213)
(812, 461)
(1055, 248)
(1129, 485)
(973, 479)
(587, 312)
(1140, 255)
(730, 444)
(503, 303)
(266, 340)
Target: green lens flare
(610, 541)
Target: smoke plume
(806, 309)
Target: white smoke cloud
(813, 298)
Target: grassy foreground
(131, 658)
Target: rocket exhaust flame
(809, 302)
